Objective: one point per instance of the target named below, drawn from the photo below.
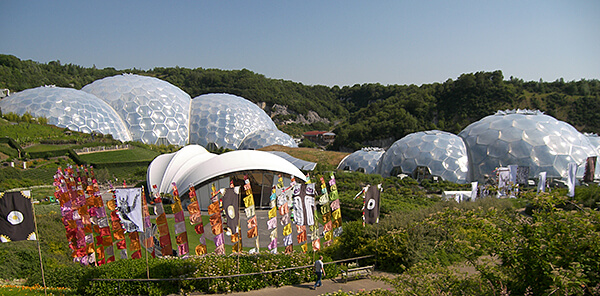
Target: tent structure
(195, 166)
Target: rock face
(292, 117)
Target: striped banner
(166, 248)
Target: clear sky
(314, 42)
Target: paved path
(329, 286)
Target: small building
(320, 137)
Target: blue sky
(314, 42)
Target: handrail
(232, 275)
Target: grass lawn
(46, 147)
(126, 155)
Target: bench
(357, 272)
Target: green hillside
(362, 114)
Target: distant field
(126, 155)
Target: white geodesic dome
(68, 108)
(443, 153)
(155, 111)
(264, 138)
(524, 138)
(225, 120)
(364, 160)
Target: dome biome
(155, 111)
(364, 160)
(524, 138)
(224, 120)
(68, 108)
(264, 138)
(433, 152)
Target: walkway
(329, 286)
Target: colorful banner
(76, 218)
(181, 238)
(196, 220)
(99, 219)
(251, 219)
(283, 201)
(335, 205)
(148, 234)
(216, 222)
(325, 210)
(117, 228)
(304, 209)
(166, 249)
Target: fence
(232, 276)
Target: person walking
(320, 271)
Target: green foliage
(79, 277)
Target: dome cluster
(149, 110)
(513, 137)
(443, 153)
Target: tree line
(361, 115)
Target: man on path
(320, 271)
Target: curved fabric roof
(299, 163)
(193, 165)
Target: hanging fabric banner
(166, 248)
(117, 228)
(283, 201)
(16, 216)
(181, 238)
(196, 220)
(231, 207)
(251, 220)
(371, 206)
(148, 234)
(76, 218)
(325, 213)
(104, 240)
(272, 216)
(335, 206)
(129, 208)
(542, 182)
(571, 174)
(216, 222)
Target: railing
(209, 278)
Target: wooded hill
(360, 115)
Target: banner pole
(37, 238)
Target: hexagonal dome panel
(364, 160)
(262, 138)
(68, 108)
(225, 120)
(155, 111)
(525, 138)
(445, 155)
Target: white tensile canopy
(194, 165)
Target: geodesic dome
(524, 138)
(155, 111)
(68, 108)
(264, 138)
(443, 153)
(364, 160)
(225, 120)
